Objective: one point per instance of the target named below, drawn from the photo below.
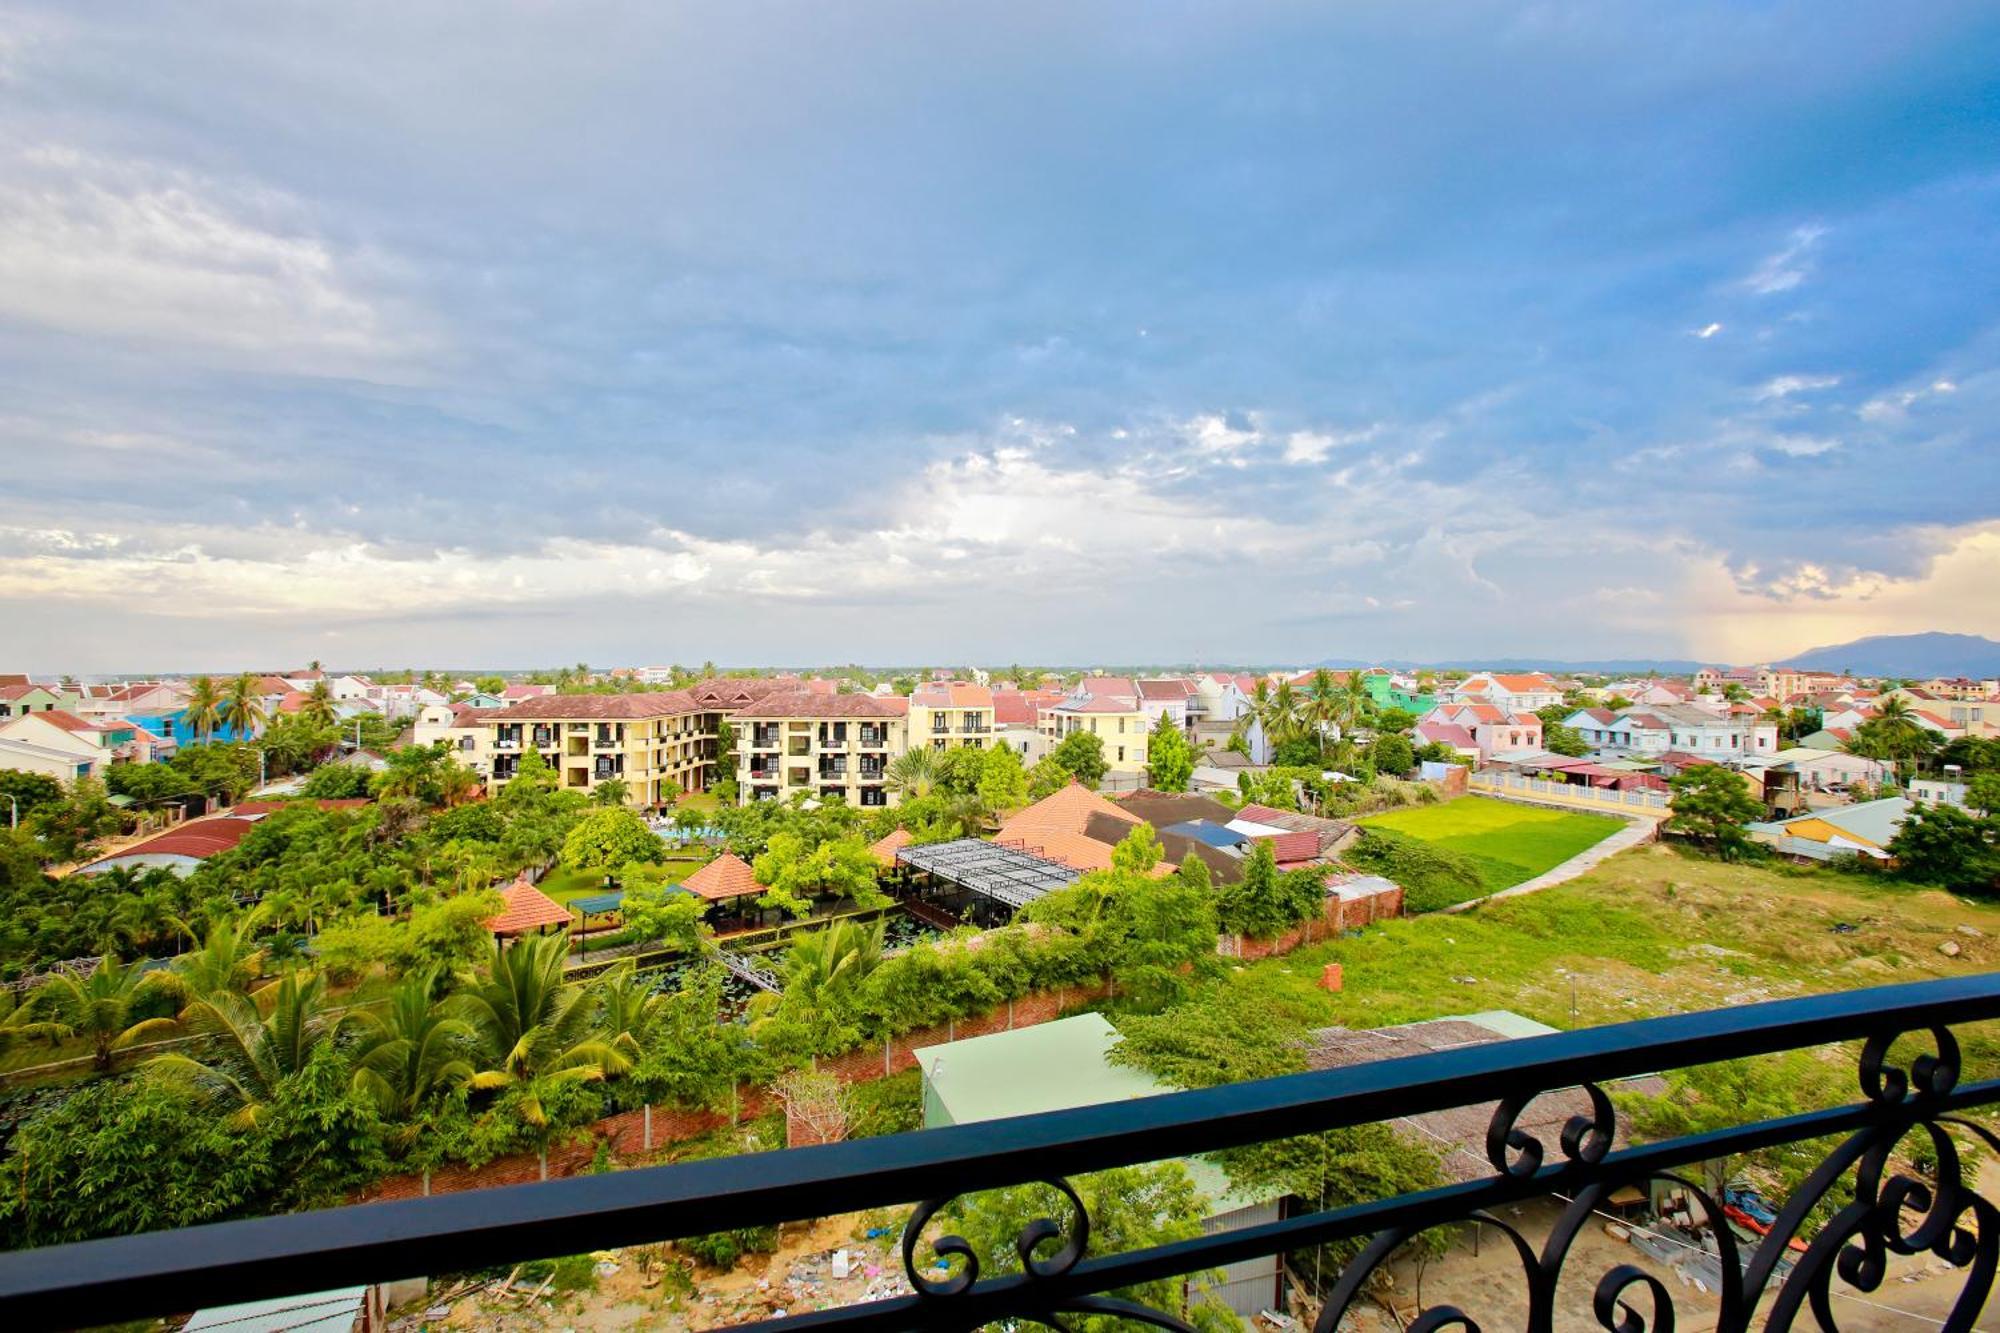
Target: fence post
(951, 1029)
(1010, 1014)
(649, 1127)
(427, 1182)
(888, 1047)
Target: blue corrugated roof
(1215, 835)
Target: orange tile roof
(884, 849)
(1078, 851)
(1065, 811)
(727, 876)
(527, 908)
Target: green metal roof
(1049, 1067)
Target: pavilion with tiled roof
(725, 879)
(526, 909)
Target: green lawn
(563, 883)
(1509, 842)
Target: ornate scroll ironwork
(1863, 1205)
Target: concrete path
(1635, 832)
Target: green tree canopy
(1711, 805)
(1169, 757)
(1081, 755)
(611, 836)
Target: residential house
(1221, 698)
(26, 697)
(1017, 722)
(1962, 689)
(1167, 697)
(1931, 791)
(836, 747)
(1521, 693)
(950, 713)
(1480, 729)
(103, 742)
(1656, 730)
(65, 764)
(1115, 719)
(1856, 830)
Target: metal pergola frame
(1009, 875)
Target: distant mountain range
(1919, 656)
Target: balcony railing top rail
(127, 1277)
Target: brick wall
(625, 1133)
(1337, 914)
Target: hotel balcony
(1892, 1179)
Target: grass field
(1509, 842)
(1651, 931)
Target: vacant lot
(1509, 842)
(1650, 931)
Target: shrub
(722, 1249)
(1431, 877)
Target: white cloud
(1802, 446)
(1784, 386)
(1894, 406)
(1313, 446)
(1706, 331)
(1787, 268)
(131, 249)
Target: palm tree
(632, 1009)
(227, 958)
(318, 707)
(242, 706)
(1321, 709)
(99, 1007)
(204, 707)
(914, 773)
(259, 1041)
(457, 783)
(826, 967)
(533, 1030)
(1355, 702)
(412, 1048)
(611, 791)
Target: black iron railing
(1879, 1211)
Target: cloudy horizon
(526, 334)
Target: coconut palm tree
(1320, 710)
(226, 957)
(1355, 702)
(632, 1009)
(411, 1049)
(204, 707)
(914, 773)
(100, 1007)
(533, 1030)
(318, 707)
(257, 1042)
(242, 706)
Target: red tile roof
(1293, 848)
(803, 704)
(68, 721)
(1174, 688)
(527, 908)
(272, 807)
(952, 694)
(606, 707)
(727, 876)
(198, 838)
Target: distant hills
(1920, 656)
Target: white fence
(1571, 793)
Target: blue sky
(902, 332)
